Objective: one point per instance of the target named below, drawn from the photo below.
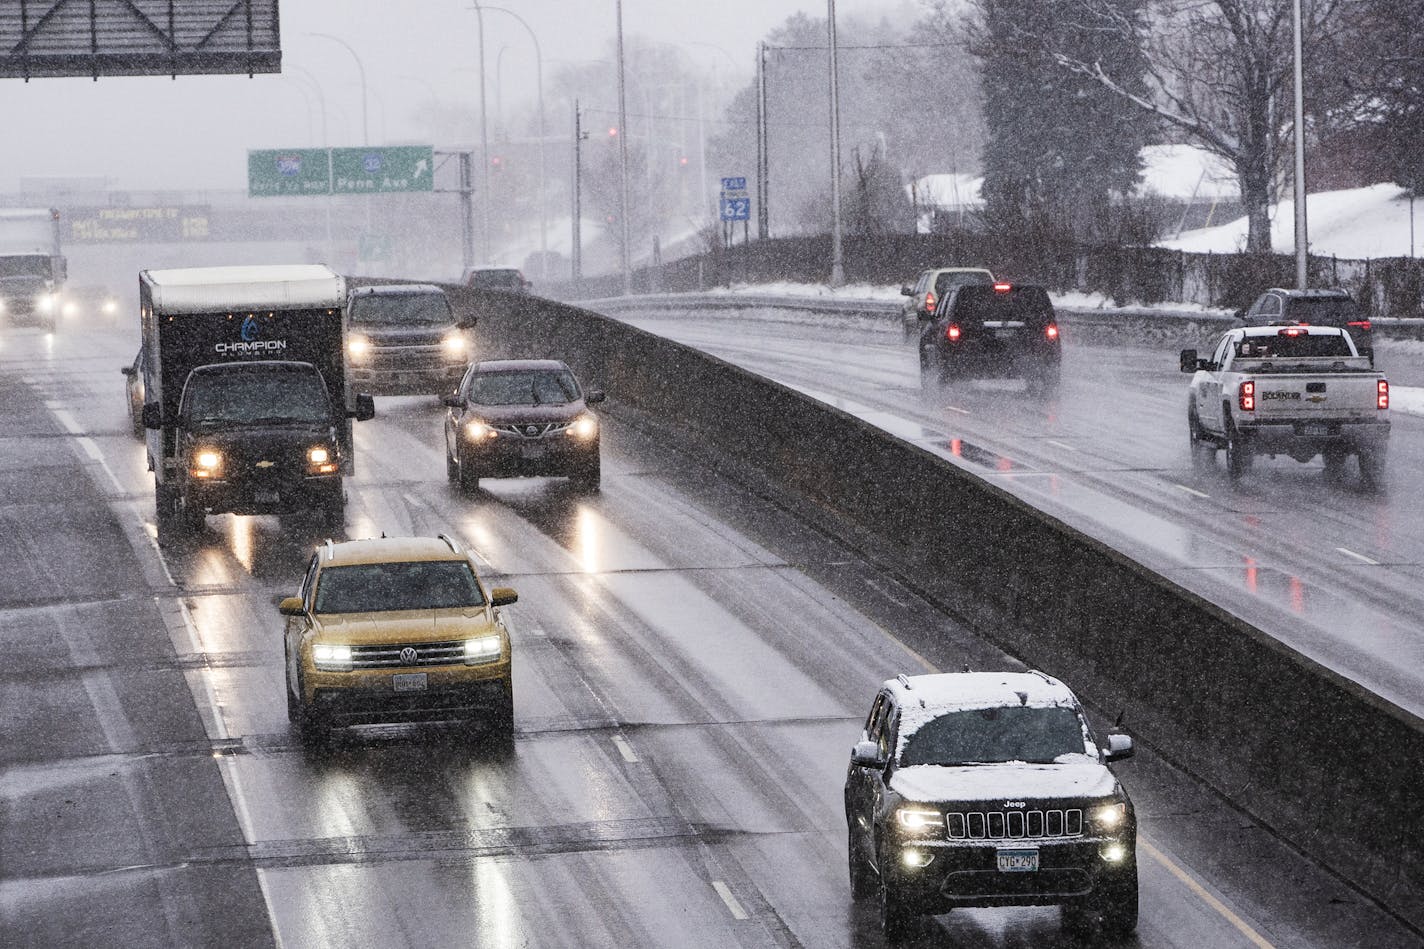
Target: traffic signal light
(496, 163)
(612, 131)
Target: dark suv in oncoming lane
(1334, 307)
(995, 330)
(989, 789)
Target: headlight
(331, 658)
(69, 309)
(1114, 853)
(111, 307)
(207, 463)
(479, 431)
(358, 346)
(320, 461)
(455, 344)
(482, 649)
(584, 427)
(919, 820)
(44, 302)
(915, 859)
(1109, 817)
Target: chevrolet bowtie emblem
(265, 464)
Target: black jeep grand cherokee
(989, 789)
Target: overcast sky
(193, 132)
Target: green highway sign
(379, 170)
(288, 171)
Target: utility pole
(763, 171)
(1302, 243)
(484, 145)
(623, 160)
(576, 235)
(838, 272)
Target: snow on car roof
(212, 289)
(390, 550)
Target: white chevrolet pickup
(1290, 390)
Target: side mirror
(291, 606)
(128, 370)
(529, 285)
(1120, 747)
(925, 315)
(503, 596)
(906, 292)
(454, 401)
(365, 408)
(1189, 360)
(866, 754)
(594, 397)
(467, 323)
(152, 415)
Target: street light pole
(484, 143)
(326, 145)
(838, 274)
(1301, 240)
(763, 169)
(623, 158)
(360, 68)
(543, 189)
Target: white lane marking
(1061, 445)
(955, 408)
(1244, 928)
(183, 633)
(625, 749)
(1360, 557)
(732, 902)
(1193, 491)
(227, 767)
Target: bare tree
(1220, 72)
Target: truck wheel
(1372, 468)
(1238, 453)
(862, 880)
(1334, 464)
(1203, 451)
(469, 475)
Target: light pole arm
(360, 68)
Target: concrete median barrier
(1328, 765)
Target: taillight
(1293, 331)
(1382, 394)
(1003, 287)
(929, 302)
(1246, 395)
(1359, 324)
(952, 334)
(1051, 331)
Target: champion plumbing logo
(250, 341)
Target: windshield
(1323, 312)
(377, 587)
(537, 387)
(497, 280)
(986, 735)
(948, 281)
(25, 265)
(390, 309)
(1293, 347)
(247, 397)
(1030, 305)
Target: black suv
(1313, 308)
(1000, 329)
(989, 789)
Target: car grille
(1010, 825)
(425, 654)
(403, 357)
(532, 429)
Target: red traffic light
(612, 131)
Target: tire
(467, 475)
(136, 420)
(1334, 464)
(452, 467)
(294, 705)
(897, 921)
(931, 374)
(1372, 468)
(333, 508)
(1203, 451)
(313, 729)
(862, 878)
(1118, 909)
(1238, 453)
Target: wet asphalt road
(692, 665)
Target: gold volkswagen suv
(397, 629)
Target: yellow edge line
(1221, 908)
(1241, 925)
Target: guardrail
(1324, 762)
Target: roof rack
(450, 542)
(1042, 675)
(904, 680)
(330, 549)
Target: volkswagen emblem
(408, 656)
(531, 430)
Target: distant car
(1332, 307)
(989, 789)
(397, 629)
(404, 339)
(508, 279)
(90, 303)
(992, 330)
(134, 388)
(933, 286)
(521, 417)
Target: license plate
(1315, 430)
(534, 451)
(1018, 861)
(1005, 333)
(409, 682)
(267, 497)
